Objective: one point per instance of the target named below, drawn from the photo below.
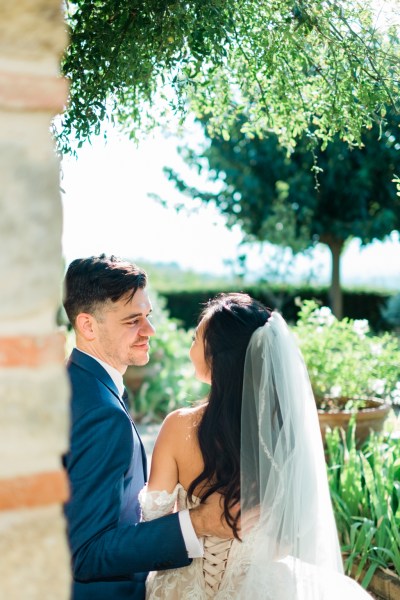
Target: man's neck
(115, 375)
(96, 353)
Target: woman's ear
(84, 324)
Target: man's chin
(140, 361)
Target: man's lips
(143, 346)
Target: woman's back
(204, 578)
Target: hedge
(187, 305)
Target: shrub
(347, 365)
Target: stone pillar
(34, 561)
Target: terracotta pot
(134, 376)
(384, 584)
(371, 417)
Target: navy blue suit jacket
(106, 463)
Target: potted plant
(351, 370)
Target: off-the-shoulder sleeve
(157, 503)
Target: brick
(39, 489)
(24, 91)
(32, 351)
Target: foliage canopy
(278, 198)
(323, 64)
(313, 194)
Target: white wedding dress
(221, 573)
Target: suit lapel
(144, 457)
(84, 361)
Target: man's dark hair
(94, 281)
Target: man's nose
(148, 328)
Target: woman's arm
(159, 496)
(164, 472)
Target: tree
(323, 195)
(322, 65)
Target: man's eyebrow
(134, 315)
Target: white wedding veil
(287, 518)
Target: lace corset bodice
(204, 578)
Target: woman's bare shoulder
(180, 425)
(179, 434)
(185, 417)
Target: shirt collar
(112, 371)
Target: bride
(256, 442)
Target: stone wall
(33, 385)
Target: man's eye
(133, 322)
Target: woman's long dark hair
(229, 322)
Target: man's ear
(84, 324)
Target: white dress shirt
(193, 545)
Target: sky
(106, 208)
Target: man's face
(123, 330)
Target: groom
(108, 306)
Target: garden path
(148, 433)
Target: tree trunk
(335, 245)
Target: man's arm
(102, 547)
(121, 552)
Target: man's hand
(208, 518)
